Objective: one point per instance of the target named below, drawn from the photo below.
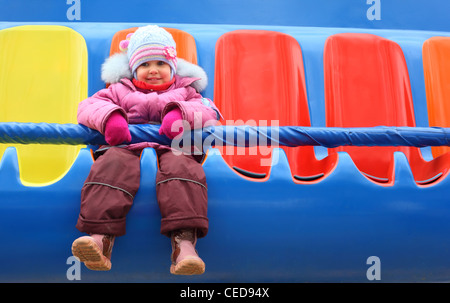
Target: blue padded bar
(52, 133)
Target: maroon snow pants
(110, 188)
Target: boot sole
(188, 267)
(89, 253)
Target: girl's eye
(161, 62)
(145, 64)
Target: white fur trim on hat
(116, 67)
(187, 69)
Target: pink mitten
(168, 120)
(116, 129)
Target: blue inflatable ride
(330, 164)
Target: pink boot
(95, 251)
(185, 260)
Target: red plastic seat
(436, 67)
(367, 84)
(259, 78)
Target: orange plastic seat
(260, 81)
(436, 67)
(367, 84)
(186, 47)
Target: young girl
(146, 88)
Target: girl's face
(153, 72)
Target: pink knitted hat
(150, 43)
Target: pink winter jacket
(140, 106)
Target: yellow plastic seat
(43, 77)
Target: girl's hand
(167, 122)
(116, 129)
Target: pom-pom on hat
(150, 43)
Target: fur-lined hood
(116, 67)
